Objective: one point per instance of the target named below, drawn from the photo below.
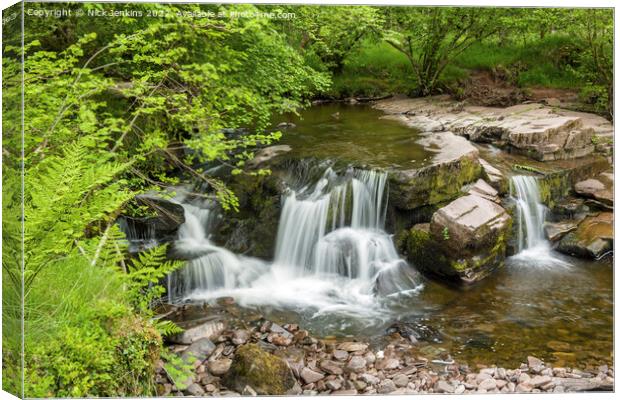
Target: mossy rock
(434, 184)
(263, 372)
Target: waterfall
(530, 213)
(356, 250)
(533, 248)
(331, 251)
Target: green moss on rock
(264, 372)
(433, 184)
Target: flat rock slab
(468, 220)
(208, 330)
(540, 131)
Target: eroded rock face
(466, 240)
(264, 372)
(539, 131)
(593, 238)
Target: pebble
(539, 380)
(352, 347)
(523, 387)
(248, 391)
(310, 376)
(482, 377)
(386, 386)
(219, 367)
(446, 387)
(331, 367)
(356, 364)
(488, 384)
(240, 337)
(459, 389)
(523, 377)
(333, 385)
(370, 379)
(400, 380)
(195, 390)
(340, 355)
(534, 362)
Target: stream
(337, 273)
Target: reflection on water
(354, 133)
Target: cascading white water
(530, 213)
(530, 216)
(332, 253)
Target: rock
(388, 363)
(459, 389)
(483, 377)
(533, 362)
(331, 367)
(356, 364)
(386, 386)
(195, 390)
(210, 330)
(484, 190)
(454, 165)
(359, 385)
(593, 238)
(240, 336)
(538, 131)
(445, 387)
(466, 240)
(352, 346)
(524, 387)
(248, 391)
(268, 153)
(200, 350)
(340, 355)
(163, 226)
(494, 177)
(599, 189)
(539, 380)
(523, 377)
(369, 379)
(400, 380)
(286, 125)
(219, 367)
(488, 384)
(264, 372)
(556, 230)
(333, 385)
(310, 376)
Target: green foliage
(528, 168)
(179, 370)
(445, 233)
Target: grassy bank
(376, 68)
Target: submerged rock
(264, 372)
(593, 238)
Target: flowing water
(336, 272)
(332, 255)
(530, 215)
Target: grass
(375, 68)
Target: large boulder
(466, 240)
(593, 238)
(260, 370)
(455, 164)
